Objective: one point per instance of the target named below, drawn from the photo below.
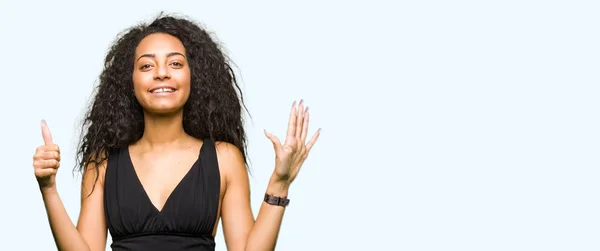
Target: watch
(276, 201)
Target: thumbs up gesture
(46, 160)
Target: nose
(162, 73)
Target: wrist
(47, 190)
(278, 188)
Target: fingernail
(301, 101)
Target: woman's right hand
(46, 160)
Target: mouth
(163, 90)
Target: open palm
(293, 152)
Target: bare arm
(241, 231)
(266, 228)
(91, 233)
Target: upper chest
(160, 172)
(167, 166)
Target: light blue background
(447, 125)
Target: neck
(163, 130)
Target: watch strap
(276, 201)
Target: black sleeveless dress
(187, 219)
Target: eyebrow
(154, 55)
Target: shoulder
(230, 159)
(94, 169)
(226, 149)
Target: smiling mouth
(163, 90)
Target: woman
(163, 151)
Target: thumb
(46, 133)
(274, 140)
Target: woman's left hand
(290, 156)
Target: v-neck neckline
(145, 192)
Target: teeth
(161, 90)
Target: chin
(163, 106)
(163, 110)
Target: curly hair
(115, 118)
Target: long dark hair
(115, 118)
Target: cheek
(141, 79)
(183, 79)
(137, 92)
(182, 75)
(139, 86)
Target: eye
(145, 66)
(177, 64)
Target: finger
(47, 148)
(46, 133)
(300, 119)
(305, 126)
(47, 163)
(49, 155)
(45, 172)
(313, 140)
(292, 122)
(274, 140)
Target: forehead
(159, 43)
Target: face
(161, 75)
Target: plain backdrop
(447, 125)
